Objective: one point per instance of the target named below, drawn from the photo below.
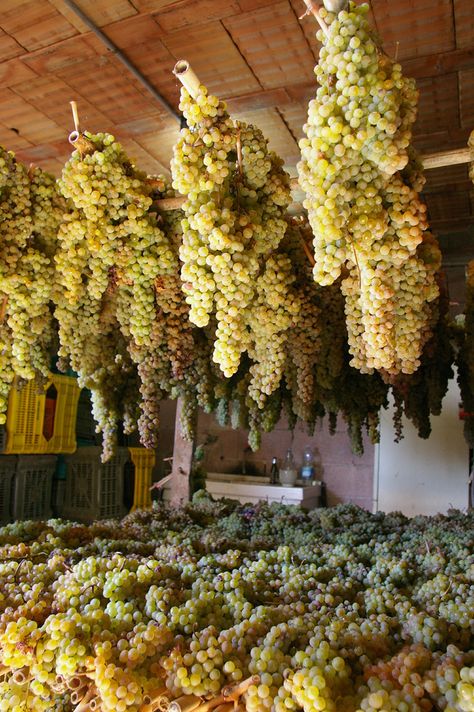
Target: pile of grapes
(216, 604)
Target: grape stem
(239, 148)
(75, 116)
(313, 10)
(3, 309)
(77, 139)
(308, 252)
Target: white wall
(419, 476)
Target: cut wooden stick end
(182, 71)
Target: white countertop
(247, 488)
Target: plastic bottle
(307, 469)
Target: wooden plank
(438, 104)
(156, 63)
(433, 65)
(125, 32)
(34, 23)
(464, 19)
(268, 98)
(438, 64)
(53, 96)
(195, 12)
(144, 160)
(65, 54)
(101, 12)
(415, 28)
(215, 59)
(106, 84)
(15, 72)
(182, 463)
(275, 130)
(9, 47)
(30, 123)
(273, 44)
(454, 224)
(160, 144)
(466, 98)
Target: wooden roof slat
(464, 18)
(438, 104)
(15, 72)
(34, 23)
(197, 12)
(466, 97)
(416, 28)
(273, 44)
(134, 31)
(32, 124)
(110, 88)
(54, 95)
(214, 57)
(160, 144)
(101, 12)
(9, 47)
(65, 54)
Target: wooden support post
(183, 452)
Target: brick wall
(348, 478)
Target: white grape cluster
(274, 311)
(363, 206)
(237, 194)
(30, 211)
(112, 255)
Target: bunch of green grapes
(420, 394)
(113, 261)
(237, 193)
(273, 312)
(363, 206)
(358, 130)
(388, 311)
(91, 341)
(30, 211)
(306, 335)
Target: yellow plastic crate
(26, 418)
(144, 461)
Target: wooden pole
(182, 71)
(429, 161)
(183, 452)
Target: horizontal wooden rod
(441, 159)
(430, 160)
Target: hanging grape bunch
(30, 211)
(362, 199)
(112, 257)
(237, 194)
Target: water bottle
(307, 469)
